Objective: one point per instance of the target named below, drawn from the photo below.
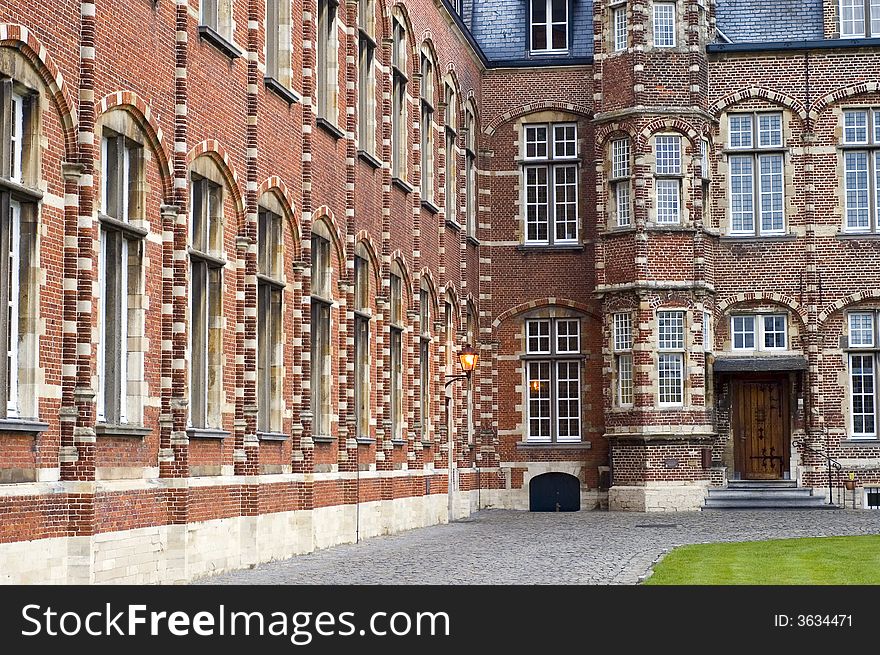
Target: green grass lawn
(824, 560)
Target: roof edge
(774, 46)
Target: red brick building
(248, 238)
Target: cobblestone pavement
(511, 547)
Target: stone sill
(288, 95)
(207, 433)
(220, 42)
(474, 241)
(855, 236)
(323, 438)
(329, 127)
(369, 158)
(130, 431)
(365, 441)
(402, 184)
(272, 436)
(861, 443)
(729, 239)
(19, 426)
(575, 247)
(577, 445)
(398, 442)
(430, 206)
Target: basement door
(760, 421)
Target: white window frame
(759, 331)
(668, 166)
(849, 21)
(621, 172)
(759, 147)
(12, 406)
(661, 24)
(620, 29)
(671, 347)
(622, 344)
(551, 163)
(862, 141)
(548, 28)
(557, 363)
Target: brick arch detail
(215, 150)
(662, 124)
(846, 301)
(721, 105)
(840, 94)
(432, 282)
(139, 109)
(275, 185)
(400, 258)
(364, 237)
(543, 302)
(449, 289)
(534, 107)
(325, 214)
(604, 133)
(767, 296)
(19, 37)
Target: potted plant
(850, 484)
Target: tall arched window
(362, 318)
(120, 289)
(321, 355)
(399, 82)
(207, 260)
(451, 129)
(396, 321)
(367, 76)
(270, 296)
(426, 300)
(470, 171)
(427, 126)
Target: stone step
(765, 494)
(762, 484)
(809, 502)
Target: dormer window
(549, 26)
(859, 18)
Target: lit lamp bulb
(468, 358)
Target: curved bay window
(321, 355)
(362, 317)
(206, 300)
(553, 379)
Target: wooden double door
(761, 421)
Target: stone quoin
(245, 240)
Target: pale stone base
(658, 497)
(180, 553)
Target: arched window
(621, 172)
(327, 60)
(362, 317)
(470, 171)
(396, 321)
(426, 300)
(367, 76)
(321, 355)
(451, 128)
(207, 260)
(20, 209)
(427, 126)
(399, 81)
(120, 288)
(270, 297)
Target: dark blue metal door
(555, 492)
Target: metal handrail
(832, 463)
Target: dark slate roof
(501, 29)
(757, 21)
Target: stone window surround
(872, 351)
(871, 146)
(758, 331)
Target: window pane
(620, 158)
(742, 208)
(539, 401)
(536, 141)
(855, 126)
(664, 24)
(564, 141)
(743, 332)
(670, 377)
(537, 197)
(772, 212)
(622, 203)
(560, 36)
(875, 22)
(620, 28)
(774, 332)
(861, 329)
(568, 336)
(856, 180)
(862, 395)
(770, 130)
(539, 11)
(667, 149)
(852, 17)
(741, 131)
(625, 380)
(668, 201)
(568, 401)
(198, 342)
(565, 207)
(538, 336)
(671, 330)
(623, 338)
